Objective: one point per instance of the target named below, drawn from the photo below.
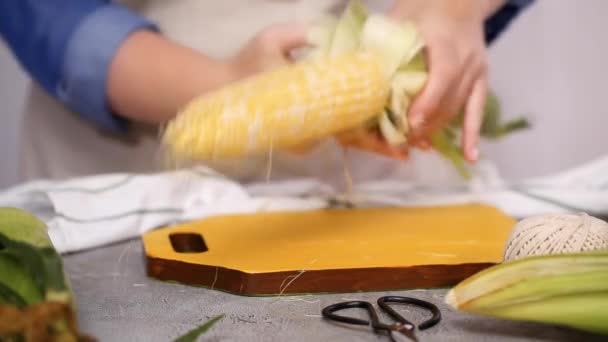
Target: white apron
(56, 144)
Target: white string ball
(556, 233)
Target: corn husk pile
(569, 289)
(36, 302)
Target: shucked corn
(282, 108)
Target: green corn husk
(194, 334)
(36, 301)
(561, 289)
(447, 140)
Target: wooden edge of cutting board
(301, 278)
(302, 282)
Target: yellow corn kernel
(280, 109)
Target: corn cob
(282, 108)
(563, 289)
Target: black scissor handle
(383, 303)
(329, 312)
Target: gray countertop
(118, 302)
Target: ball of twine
(556, 233)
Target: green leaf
(20, 225)
(15, 280)
(491, 115)
(492, 128)
(9, 297)
(446, 143)
(192, 335)
(27, 262)
(506, 128)
(31, 270)
(450, 150)
(397, 43)
(57, 287)
(348, 29)
(416, 64)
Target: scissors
(397, 331)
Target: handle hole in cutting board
(188, 243)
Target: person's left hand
(457, 61)
(269, 49)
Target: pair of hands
(456, 56)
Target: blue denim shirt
(66, 46)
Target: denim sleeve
(67, 46)
(500, 21)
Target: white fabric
(88, 212)
(93, 211)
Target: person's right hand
(455, 51)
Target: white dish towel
(94, 211)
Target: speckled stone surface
(118, 302)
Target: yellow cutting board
(331, 250)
